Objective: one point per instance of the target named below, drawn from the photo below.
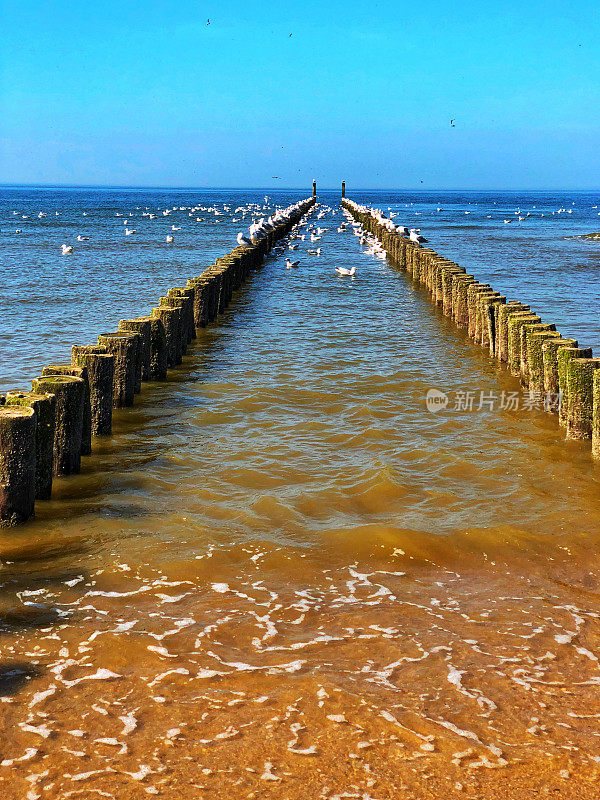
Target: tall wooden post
(343, 188)
(314, 188)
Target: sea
(283, 575)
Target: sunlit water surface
(282, 576)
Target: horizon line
(146, 187)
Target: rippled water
(282, 576)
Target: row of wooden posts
(562, 375)
(45, 432)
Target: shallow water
(282, 576)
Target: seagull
(66, 249)
(289, 264)
(175, 228)
(314, 238)
(344, 271)
(129, 231)
(170, 239)
(293, 246)
(243, 240)
(81, 238)
(316, 252)
(415, 236)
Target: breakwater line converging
(560, 375)
(46, 432)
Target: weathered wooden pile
(552, 367)
(45, 432)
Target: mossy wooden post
(78, 372)
(437, 290)
(550, 350)
(142, 326)
(44, 406)
(170, 318)
(596, 416)
(215, 289)
(524, 332)
(485, 333)
(473, 290)
(479, 320)
(448, 275)
(17, 464)
(70, 393)
(100, 365)
(201, 296)
(186, 296)
(580, 391)
(460, 312)
(124, 346)
(503, 313)
(515, 322)
(563, 357)
(535, 355)
(225, 293)
(181, 328)
(158, 350)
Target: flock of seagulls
(263, 222)
(197, 213)
(305, 231)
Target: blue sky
(134, 93)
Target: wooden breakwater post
(46, 431)
(17, 464)
(44, 406)
(314, 188)
(343, 189)
(68, 422)
(100, 366)
(78, 372)
(124, 346)
(549, 365)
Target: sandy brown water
(283, 577)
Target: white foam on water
(129, 723)
(38, 697)
(268, 774)
(112, 742)
(30, 753)
(101, 674)
(162, 651)
(40, 730)
(163, 675)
